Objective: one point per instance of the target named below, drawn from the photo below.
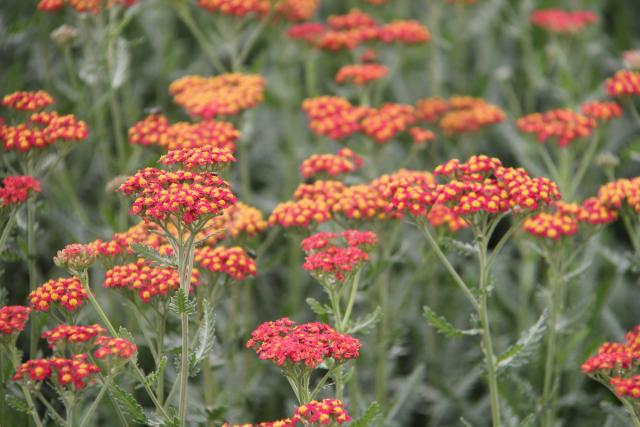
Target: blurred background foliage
(486, 50)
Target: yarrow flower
(336, 256)
(27, 101)
(344, 162)
(62, 335)
(285, 342)
(332, 116)
(144, 233)
(17, 189)
(361, 74)
(74, 374)
(388, 121)
(233, 262)
(223, 95)
(201, 158)
(13, 319)
(147, 281)
(75, 257)
(623, 83)
(613, 357)
(562, 21)
(323, 412)
(114, 348)
(82, 6)
(300, 213)
(617, 194)
(460, 114)
(65, 292)
(293, 10)
(421, 136)
(186, 196)
(41, 130)
(603, 111)
(562, 124)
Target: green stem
(15, 360)
(96, 402)
(245, 168)
(632, 412)
(586, 161)
(631, 230)
(161, 328)
(355, 280)
(6, 231)
(31, 258)
(47, 405)
(550, 368)
(487, 343)
(184, 13)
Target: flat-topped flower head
(42, 130)
(615, 357)
(284, 342)
(83, 6)
(421, 136)
(202, 158)
(62, 336)
(17, 189)
(72, 374)
(233, 262)
(601, 110)
(431, 109)
(110, 349)
(361, 74)
(354, 18)
(620, 193)
(324, 412)
(562, 125)
(293, 10)
(66, 293)
(27, 101)
(562, 21)
(119, 247)
(334, 257)
(467, 115)
(332, 116)
(623, 83)
(12, 320)
(406, 32)
(223, 95)
(361, 203)
(300, 213)
(344, 162)
(328, 191)
(551, 225)
(244, 221)
(626, 387)
(145, 280)
(386, 122)
(149, 130)
(179, 196)
(75, 257)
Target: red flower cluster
(13, 318)
(460, 114)
(388, 121)
(562, 124)
(356, 27)
(75, 372)
(324, 412)
(361, 74)
(17, 189)
(621, 192)
(63, 334)
(562, 21)
(614, 356)
(300, 213)
(234, 261)
(344, 162)
(120, 244)
(119, 348)
(332, 116)
(223, 95)
(201, 158)
(187, 196)
(156, 130)
(336, 256)
(599, 110)
(294, 10)
(65, 292)
(82, 6)
(360, 202)
(42, 130)
(421, 136)
(627, 387)
(146, 280)
(623, 83)
(283, 342)
(27, 101)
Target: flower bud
(75, 257)
(64, 35)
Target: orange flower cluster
(441, 215)
(623, 83)
(156, 130)
(201, 158)
(460, 114)
(13, 318)
(67, 293)
(120, 244)
(604, 111)
(356, 27)
(324, 412)
(146, 280)
(223, 95)
(285, 342)
(332, 116)
(421, 136)
(82, 6)
(621, 192)
(562, 21)
(233, 262)
(188, 196)
(361, 74)
(300, 213)
(17, 189)
(241, 219)
(293, 10)
(118, 348)
(66, 373)
(42, 130)
(328, 191)
(59, 336)
(27, 101)
(388, 121)
(561, 124)
(360, 202)
(613, 357)
(344, 162)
